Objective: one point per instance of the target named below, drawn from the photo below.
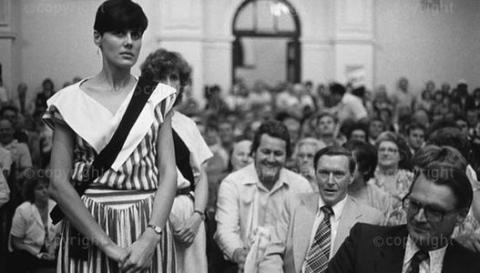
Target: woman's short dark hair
(365, 156)
(334, 151)
(118, 15)
(275, 129)
(29, 186)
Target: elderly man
(253, 196)
(438, 200)
(313, 226)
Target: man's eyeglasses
(431, 214)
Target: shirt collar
(11, 144)
(337, 208)
(252, 177)
(435, 256)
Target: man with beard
(438, 200)
(252, 198)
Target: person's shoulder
(295, 180)
(362, 206)
(4, 152)
(468, 255)
(66, 95)
(25, 207)
(22, 146)
(367, 230)
(240, 176)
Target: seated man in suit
(313, 226)
(438, 200)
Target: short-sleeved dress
(120, 200)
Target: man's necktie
(318, 255)
(417, 259)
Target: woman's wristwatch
(201, 213)
(158, 230)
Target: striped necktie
(417, 259)
(318, 255)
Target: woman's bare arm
(189, 230)
(141, 251)
(62, 191)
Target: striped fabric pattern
(139, 172)
(124, 216)
(319, 253)
(123, 211)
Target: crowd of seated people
(391, 134)
(386, 132)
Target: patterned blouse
(72, 107)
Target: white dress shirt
(244, 203)
(334, 221)
(432, 265)
(351, 107)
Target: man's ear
(462, 214)
(351, 177)
(97, 37)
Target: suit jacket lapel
(392, 251)
(304, 218)
(349, 217)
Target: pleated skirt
(124, 216)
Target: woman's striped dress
(121, 200)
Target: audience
(382, 134)
(33, 237)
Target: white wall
(392, 38)
(441, 45)
(56, 41)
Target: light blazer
(301, 214)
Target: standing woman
(191, 153)
(124, 211)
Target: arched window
(267, 18)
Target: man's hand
(239, 257)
